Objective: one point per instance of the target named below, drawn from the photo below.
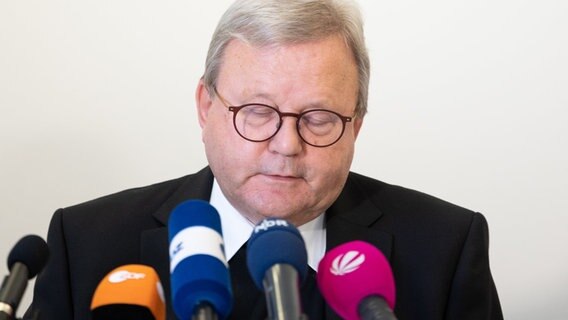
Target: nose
(287, 140)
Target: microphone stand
(12, 290)
(281, 291)
(204, 312)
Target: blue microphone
(278, 262)
(200, 281)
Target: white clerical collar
(237, 229)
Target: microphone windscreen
(32, 251)
(129, 292)
(275, 241)
(351, 272)
(198, 267)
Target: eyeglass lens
(256, 122)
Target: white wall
(468, 102)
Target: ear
(357, 123)
(203, 103)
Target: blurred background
(468, 102)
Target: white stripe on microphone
(183, 245)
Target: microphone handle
(204, 312)
(281, 289)
(5, 316)
(5, 309)
(12, 290)
(375, 308)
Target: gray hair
(267, 22)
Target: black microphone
(278, 261)
(25, 261)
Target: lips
(282, 171)
(280, 177)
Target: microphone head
(275, 241)
(198, 267)
(129, 292)
(351, 272)
(32, 251)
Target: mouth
(281, 177)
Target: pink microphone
(356, 280)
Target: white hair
(280, 22)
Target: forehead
(322, 71)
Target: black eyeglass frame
(236, 109)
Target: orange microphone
(129, 292)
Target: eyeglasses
(258, 122)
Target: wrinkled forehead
(307, 75)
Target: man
(281, 104)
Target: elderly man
(281, 103)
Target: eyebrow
(248, 99)
(256, 96)
(318, 104)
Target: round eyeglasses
(258, 122)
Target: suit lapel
(350, 218)
(196, 186)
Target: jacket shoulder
(140, 202)
(407, 209)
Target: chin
(294, 214)
(269, 210)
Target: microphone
(25, 261)
(201, 285)
(356, 280)
(129, 292)
(278, 261)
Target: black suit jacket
(438, 251)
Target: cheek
(217, 131)
(227, 153)
(216, 139)
(330, 168)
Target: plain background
(467, 102)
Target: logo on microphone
(269, 223)
(346, 263)
(123, 275)
(177, 248)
